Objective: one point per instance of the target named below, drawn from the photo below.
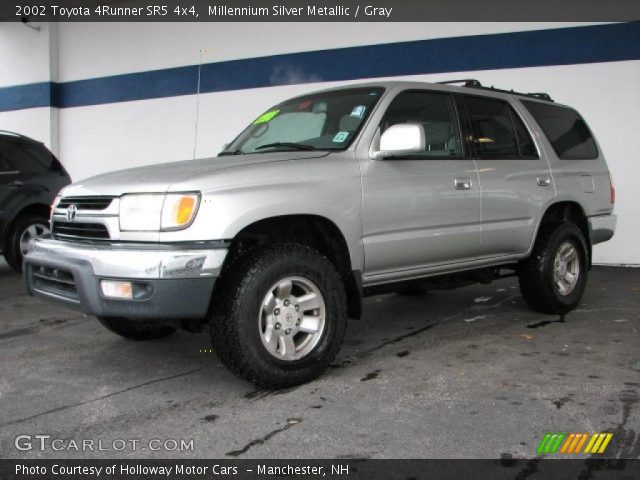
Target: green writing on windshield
(266, 117)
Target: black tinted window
(5, 164)
(493, 131)
(565, 129)
(525, 143)
(436, 113)
(28, 157)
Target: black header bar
(337, 469)
(319, 10)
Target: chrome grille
(78, 230)
(54, 280)
(86, 203)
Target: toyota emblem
(71, 212)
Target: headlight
(154, 212)
(178, 210)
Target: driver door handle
(462, 183)
(544, 181)
(16, 184)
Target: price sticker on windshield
(266, 117)
(358, 111)
(340, 137)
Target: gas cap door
(588, 184)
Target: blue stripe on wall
(19, 97)
(563, 46)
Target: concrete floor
(469, 373)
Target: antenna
(195, 133)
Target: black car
(30, 178)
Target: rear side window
(525, 142)
(5, 165)
(498, 132)
(29, 158)
(567, 132)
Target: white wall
(24, 54)
(34, 122)
(134, 47)
(99, 138)
(29, 56)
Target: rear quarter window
(5, 165)
(29, 157)
(565, 129)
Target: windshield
(320, 121)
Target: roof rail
(473, 83)
(540, 95)
(467, 82)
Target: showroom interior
(97, 93)
(417, 374)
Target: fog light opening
(117, 289)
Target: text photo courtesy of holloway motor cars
(366, 240)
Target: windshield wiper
(231, 152)
(296, 146)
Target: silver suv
(326, 198)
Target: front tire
(554, 277)
(136, 329)
(279, 315)
(23, 230)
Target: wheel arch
(568, 211)
(315, 231)
(31, 209)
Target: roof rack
(473, 83)
(467, 82)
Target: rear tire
(553, 278)
(136, 330)
(24, 229)
(254, 322)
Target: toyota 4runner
(326, 198)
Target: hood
(159, 178)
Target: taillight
(613, 190)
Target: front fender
(329, 187)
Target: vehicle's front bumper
(173, 281)
(601, 228)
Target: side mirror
(402, 138)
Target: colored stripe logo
(572, 443)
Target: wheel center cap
(288, 316)
(562, 268)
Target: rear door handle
(462, 183)
(16, 184)
(544, 181)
